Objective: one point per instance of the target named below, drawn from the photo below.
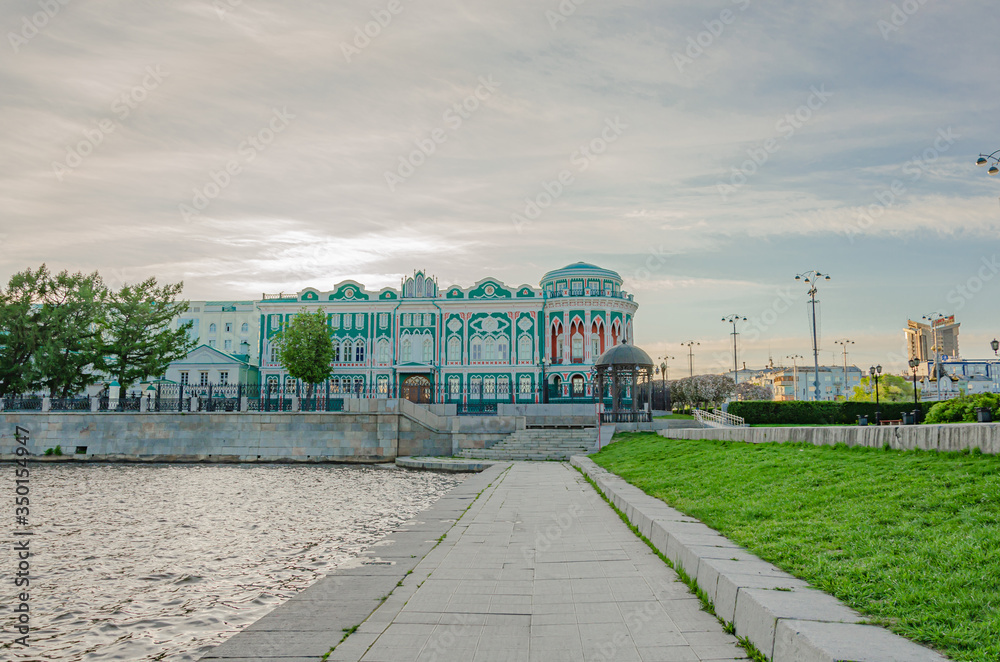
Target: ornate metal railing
(23, 403)
(478, 408)
(69, 404)
(626, 417)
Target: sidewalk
(540, 568)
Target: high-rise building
(920, 339)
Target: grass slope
(909, 538)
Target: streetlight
(914, 362)
(875, 371)
(813, 277)
(985, 158)
(688, 344)
(934, 318)
(733, 319)
(995, 345)
(844, 343)
(795, 375)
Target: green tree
(70, 342)
(138, 340)
(891, 388)
(304, 348)
(20, 332)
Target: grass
(677, 417)
(911, 539)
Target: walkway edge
(782, 616)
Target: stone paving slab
(443, 464)
(782, 616)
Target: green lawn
(911, 539)
(686, 417)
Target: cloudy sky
(708, 151)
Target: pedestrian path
(540, 569)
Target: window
(404, 319)
(382, 385)
(229, 327)
(335, 385)
(489, 388)
(455, 349)
(503, 387)
(335, 321)
(227, 344)
(346, 351)
(336, 351)
(595, 347)
(359, 351)
(383, 351)
(348, 321)
(454, 385)
(475, 387)
(184, 378)
(224, 378)
(359, 320)
(429, 288)
(477, 349)
(211, 343)
(212, 328)
(428, 319)
(203, 378)
(490, 348)
(404, 351)
(383, 320)
(578, 346)
(274, 353)
(524, 384)
(290, 385)
(244, 328)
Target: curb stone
(786, 619)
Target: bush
(769, 412)
(963, 409)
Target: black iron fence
(69, 404)
(23, 403)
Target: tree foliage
(702, 390)
(891, 388)
(749, 391)
(19, 330)
(305, 349)
(138, 340)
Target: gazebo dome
(624, 355)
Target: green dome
(581, 270)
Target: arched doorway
(417, 388)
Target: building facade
(488, 342)
(921, 339)
(230, 326)
(798, 383)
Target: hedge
(769, 412)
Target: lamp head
(981, 161)
(878, 369)
(871, 370)
(995, 345)
(993, 170)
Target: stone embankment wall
(951, 437)
(368, 431)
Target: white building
(230, 326)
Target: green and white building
(490, 342)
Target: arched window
(577, 386)
(615, 332)
(454, 386)
(383, 351)
(404, 351)
(578, 347)
(408, 288)
(336, 351)
(211, 327)
(382, 385)
(477, 349)
(502, 350)
(359, 351)
(455, 349)
(524, 385)
(557, 339)
(346, 350)
(244, 327)
(489, 388)
(428, 349)
(524, 349)
(503, 387)
(475, 387)
(429, 288)
(490, 348)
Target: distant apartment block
(920, 339)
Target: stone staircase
(539, 444)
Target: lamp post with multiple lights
(844, 343)
(795, 375)
(995, 346)
(985, 158)
(689, 344)
(875, 371)
(914, 362)
(813, 277)
(733, 319)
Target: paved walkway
(539, 568)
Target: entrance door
(417, 388)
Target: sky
(707, 151)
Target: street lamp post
(689, 344)
(914, 362)
(813, 277)
(844, 343)
(875, 371)
(733, 319)
(985, 158)
(795, 375)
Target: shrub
(963, 409)
(769, 412)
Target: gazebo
(625, 369)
